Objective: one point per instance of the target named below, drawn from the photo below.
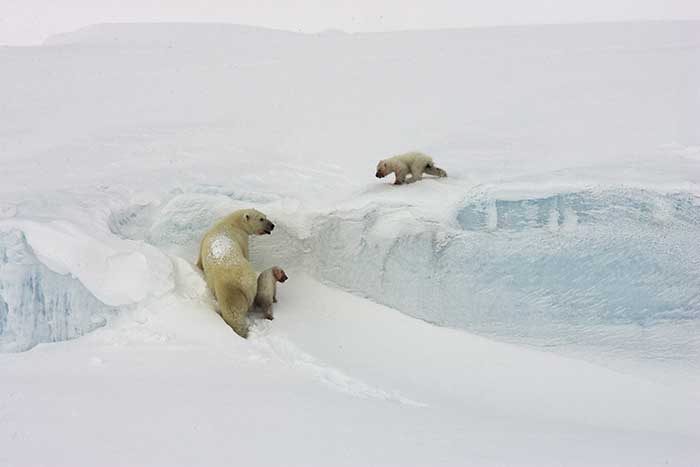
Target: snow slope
(554, 273)
(331, 381)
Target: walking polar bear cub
(223, 256)
(413, 163)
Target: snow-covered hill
(566, 233)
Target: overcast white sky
(26, 22)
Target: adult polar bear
(413, 163)
(223, 256)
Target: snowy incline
(333, 380)
(539, 306)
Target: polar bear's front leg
(400, 173)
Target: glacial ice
(617, 269)
(38, 305)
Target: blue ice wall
(614, 256)
(616, 268)
(38, 305)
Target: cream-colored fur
(414, 164)
(267, 289)
(223, 256)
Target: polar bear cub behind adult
(413, 163)
(267, 289)
(223, 256)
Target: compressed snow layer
(336, 380)
(117, 272)
(615, 270)
(70, 269)
(40, 305)
(309, 116)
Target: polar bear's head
(256, 222)
(382, 169)
(280, 275)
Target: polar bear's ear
(247, 217)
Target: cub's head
(279, 274)
(382, 169)
(257, 223)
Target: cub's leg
(400, 173)
(430, 169)
(417, 169)
(267, 311)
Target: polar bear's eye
(261, 219)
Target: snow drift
(37, 304)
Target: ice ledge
(59, 280)
(116, 271)
(37, 304)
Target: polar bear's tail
(234, 309)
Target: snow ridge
(39, 305)
(612, 269)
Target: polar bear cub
(267, 289)
(223, 256)
(413, 163)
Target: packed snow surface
(539, 306)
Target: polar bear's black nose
(270, 226)
(378, 175)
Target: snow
(115, 271)
(334, 380)
(537, 307)
(37, 304)
(220, 247)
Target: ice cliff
(38, 305)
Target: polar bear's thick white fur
(267, 289)
(223, 256)
(413, 163)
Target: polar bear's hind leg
(234, 308)
(430, 169)
(417, 169)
